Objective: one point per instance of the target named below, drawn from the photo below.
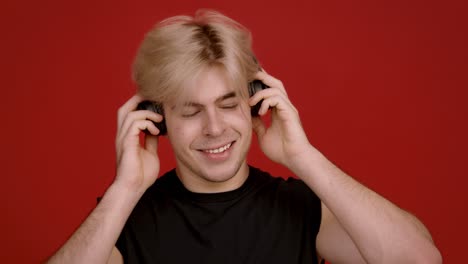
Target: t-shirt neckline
(218, 197)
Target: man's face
(210, 130)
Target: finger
(129, 106)
(278, 102)
(138, 115)
(270, 81)
(258, 127)
(264, 94)
(266, 104)
(131, 137)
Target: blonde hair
(178, 48)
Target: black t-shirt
(266, 220)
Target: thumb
(258, 126)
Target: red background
(381, 87)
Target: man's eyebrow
(226, 96)
(192, 104)
(219, 99)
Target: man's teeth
(219, 150)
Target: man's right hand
(137, 169)
(137, 166)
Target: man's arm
(367, 227)
(137, 169)
(358, 225)
(94, 240)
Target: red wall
(381, 89)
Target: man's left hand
(284, 141)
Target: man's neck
(198, 184)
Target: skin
(211, 116)
(357, 226)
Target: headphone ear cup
(254, 87)
(157, 108)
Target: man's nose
(214, 123)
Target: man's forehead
(207, 85)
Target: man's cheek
(184, 131)
(177, 133)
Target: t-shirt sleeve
(305, 199)
(128, 243)
(137, 236)
(121, 244)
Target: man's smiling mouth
(219, 150)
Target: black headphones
(254, 87)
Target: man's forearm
(95, 238)
(380, 230)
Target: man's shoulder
(291, 194)
(281, 181)
(167, 182)
(169, 178)
(283, 185)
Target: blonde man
(214, 207)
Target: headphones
(253, 87)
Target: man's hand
(137, 169)
(137, 166)
(285, 140)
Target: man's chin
(212, 176)
(222, 172)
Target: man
(214, 207)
